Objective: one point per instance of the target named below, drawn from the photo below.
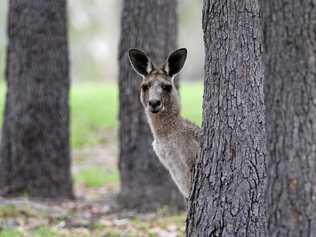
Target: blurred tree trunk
(34, 150)
(290, 93)
(150, 25)
(228, 191)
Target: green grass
(10, 233)
(11, 211)
(191, 101)
(94, 109)
(136, 226)
(44, 231)
(95, 177)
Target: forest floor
(96, 179)
(94, 212)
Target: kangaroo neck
(163, 124)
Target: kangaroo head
(158, 92)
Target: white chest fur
(169, 154)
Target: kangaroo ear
(175, 62)
(140, 62)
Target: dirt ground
(93, 213)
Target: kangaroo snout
(155, 106)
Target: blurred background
(93, 40)
(94, 28)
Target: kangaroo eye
(167, 87)
(144, 87)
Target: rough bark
(34, 150)
(228, 187)
(150, 25)
(290, 94)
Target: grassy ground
(149, 225)
(94, 109)
(94, 213)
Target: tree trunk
(290, 92)
(228, 187)
(34, 150)
(150, 25)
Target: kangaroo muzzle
(155, 106)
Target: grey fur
(176, 140)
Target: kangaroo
(176, 140)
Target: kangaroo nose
(154, 103)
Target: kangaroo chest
(167, 152)
(170, 156)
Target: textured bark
(34, 150)
(290, 92)
(228, 189)
(150, 25)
